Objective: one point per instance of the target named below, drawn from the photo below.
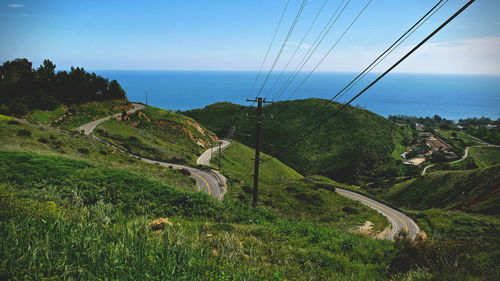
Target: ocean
(450, 96)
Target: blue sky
(234, 34)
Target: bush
(43, 140)
(83, 150)
(24, 133)
(13, 122)
(185, 171)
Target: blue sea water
(450, 96)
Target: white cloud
(304, 46)
(16, 5)
(468, 55)
(479, 55)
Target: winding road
(463, 157)
(211, 182)
(205, 158)
(399, 221)
(214, 183)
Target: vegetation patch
(287, 194)
(159, 134)
(355, 146)
(474, 191)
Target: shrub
(43, 140)
(83, 150)
(13, 122)
(185, 171)
(24, 133)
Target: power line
(292, 27)
(381, 76)
(331, 49)
(298, 47)
(270, 45)
(382, 56)
(333, 19)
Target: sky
(235, 34)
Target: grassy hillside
(72, 116)
(87, 221)
(474, 191)
(485, 156)
(159, 134)
(355, 146)
(20, 135)
(286, 193)
(73, 208)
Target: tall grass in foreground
(88, 247)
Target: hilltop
(356, 146)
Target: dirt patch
(202, 131)
(201, 142)
(366, 228)
(383, 234)
(160, 224)
(143, 116)
(135, 124)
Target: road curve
(466, 154)
(205, 158)
(398, 220)
(211, 182)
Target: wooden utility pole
(220, 150)
(258, 138)
(146, 97)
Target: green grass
(349, 148)
(47, 116)
(69, 181)
(286, 193)
(473, 191)
(398, 139)
(478, 157)
(468, 163)
(5, 117)
(47, 140)
(452, 224)
(70, 219)
(159, 134)
(458, 142)
(485, 156)
(77, 115)
(73, 208)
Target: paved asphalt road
(398, 220)
(214, 183)
(210, 182)
(204, 159)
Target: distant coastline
(452, 96)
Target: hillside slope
(287, 194)
(474, 191)
(158, 134)
(354, 146)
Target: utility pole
(220, 149)
(146, 97)
(260, 118)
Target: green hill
(357, 145)
(74, 208)
(84, 209)
(159, 134)
(473, 191)
(286, 193)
